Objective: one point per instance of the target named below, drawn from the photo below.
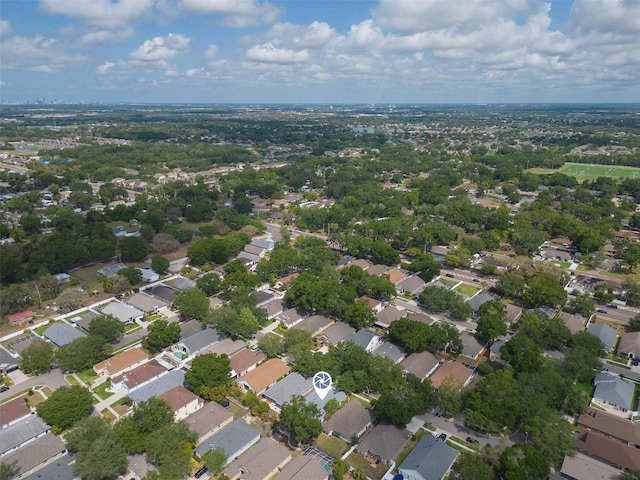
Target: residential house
(198, 341)
(54, 468)
(611, 425)
(421, 317)
(303, 467)
(36, 455)
(609, 449)
(383, 443)
(630, 345)
(377, 270)
(13, 411)
(235, 439)
(290, 317)
(513, 312)
(182, 402)
(265, 243)
(336, 333)
(584, 467)
(312, 397)
(430, 459)
(575, 323)
(396, 276)
(374, 304)
(421, 364)
(162, 291)
(261, 462)
(123, 312)
(314, 324)
(439, 251)
(274, 307)
(148, 275)
(21, 433)
(254, 250)
(8, 363)
(183, 283)
(556, 254)
(365, 339)
(110, 270)
(352, 420)
(208, 420)
(454, 370)
(245, 360)
(146, 303)
(189, 327)
(138, 376)
(411, 285)
(293, 384)
(362, 263)
(388, 315)
(472, 348)
(157, 386)
(391, 351)
(226, 347)
(494, 351)
(21, 317)
(61, 334)
(607, 335)
(264, 375)
(613, 391)
(480, 299)
(121, 362)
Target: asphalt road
(54, 379)
(457, 428)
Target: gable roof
(362, 338)
(303, 467)
(245, 359)
(163, 291)
(314, 324)
(388, 315)
(234, 438)
(391, 351)
(200, 340)
(158, 386)
(611, 425)
(20, 316)
(260, 462)
(20, 432)
(420, 363)
(583, 467)
(13, 410)
(273, 307)
(189, 327)
(431, 459)
(614, 390)
(350, 420)
(574, 323)
(513, 312)
(412, 284)
(208, 419)
(141, 374)
(145, 302)
(289, 317)
(178, 397)
(421, 317)
(630, 343)
(396, 276)
(182, 283)
(479, 299)
(377, 270)
(122, 311)
(36, 453)
(265, 374)
(7, 361)
(385, 441)
(337, 332)
(362, 263)
(62, 333)
(225, 347)
(607, 334)
(292, 384)
(457, 370)
(609, 449)
(471, 346)
(119, 362)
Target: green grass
(40, 330)
(562, 264)
(72, 380)
(373, 472)
(333, 445)
(87, 376)
(589, 171)
(123, 400)
(467, 290)
(78, 315)
(101, 390)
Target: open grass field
(587, 171)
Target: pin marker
(322, 384)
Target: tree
(49, 286)
(192, 303)
(359, 314)
(99, 454)
(272, 345)
(170, 447)
(301, 419)
(71, 299)
(331, 407)
(148, 417)
(8, 470)
(545, 290)
(241, 324)
(494, 402)
(631, 254)
(160, 264)
(339, 470)
(522, 353)
(161, 335)
(551, 435)
(132, 274)
(426, 267)
(215, 459)
(132, 249)
(66, 406)
(583, 304)
(163, 243)
(37, 357)
(400, 401)
(450, 397)
(210, 284)
(116, 284)
(106, 326)
(295, 338)
(491, 326)
(510, 285)
(632, 292)
(629, 474)
(634, 324)
(522, 462)
(81, 354)
(472, 466)
(209, 376)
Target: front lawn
(333, 445)
(87, 376)
(467, 290)
(101, 390)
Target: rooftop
(611, 425)
(158, 386)
(456, 370)
(123, 312)
(145, 302)
(21, 431)
(303, 467)
(200, 340)
(431, 459)
(350, 420)
(265, 374)
(13, 410)
(140, 374)
(420, 363)
(583, 467)
(291, 385)
(337, 332)
(119, 362)
(208, 418)
(260, 462)
(233, 438)
(245, 359)
(609, 449)
(385, 441)
(178, 397)
(61, 333)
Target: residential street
(54, 379)
(458, 429)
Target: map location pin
(322, 384)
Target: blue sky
(320, 51)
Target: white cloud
(95, 37)
(618, 16)
(365, 35)
(102, 13)
(160, 49)
(235, 13)
(5, 29)
(105, 67)
(211, 51)
(38, 53)
(269, 53)
(314, 35)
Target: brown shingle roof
(420, 363)
(260, 461)
(140, 374)
(13, 410)
(350, 420)
(396, 276)
(117, 363)
(611, 425)
(178, 397)
(245, 359)
(457, 370)
(384, 440)
(630, 343)
(264, 375)
(609, 449)
(208, 419)
(35, 453)
(583, 467)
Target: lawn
(587, 171)
(78, 315)
(87, 376)
(467, 290)
(72, 380)
(374, 472)
(333, 445)
(40, 330)
(101, 390)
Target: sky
(320, 51)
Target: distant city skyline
(320, 52)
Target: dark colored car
(471, 440)
(4, 388)
(224, 403)
(442, 436)
(603, 312)
(201, 472)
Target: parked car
(603, 312)
(471, 440)
(201, 472)
(442, 436)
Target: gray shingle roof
(338, 332)
(198, 341)
(158, 386)
(430, 459)
(123, 312)
(477, 300)
(7, 361)
(391, 351)
(58, 470)
(183, 283)
(18, 433)
(614, 390)
(607, 334)
(235, 438)
(62, 334)
(362, 338)
(294, 384)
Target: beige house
(260, 462)
(120, 363)
(182, 402)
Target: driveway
(54, 379)
(457, 428)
